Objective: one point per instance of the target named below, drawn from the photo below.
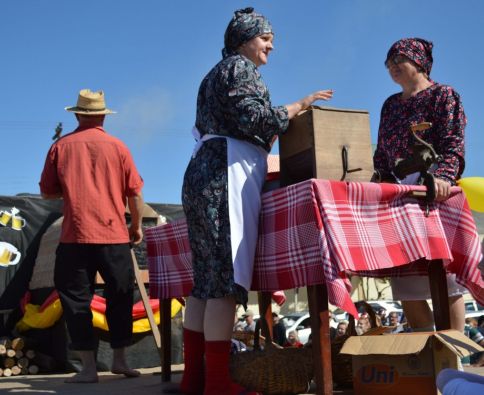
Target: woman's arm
(296, 107)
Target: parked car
(299, 322)
(473, 309)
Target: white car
(301, 323)
(473, 309)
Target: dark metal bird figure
(58, 131)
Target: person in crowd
(397, 322)
(95, 175)
(473, 332)
(382, 313)
(471, 322)
(409, 62)
(293, 340)
(236, 125)
(278, 330)
(249, 321)
(341, 328)
(363, 324)
(455, 382)
(393, 318)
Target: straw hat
(90, 103)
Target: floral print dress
(233, 102)
(438, 104)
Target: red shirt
(95, 174)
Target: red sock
(193, 351)
(217, 375)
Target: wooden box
(321, 140)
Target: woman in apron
(236, 125)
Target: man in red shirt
(95, 175)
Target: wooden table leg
(440, 295)
(265, 310)
(165, 323)
(321, 341)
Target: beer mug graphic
(9, 255)
(18, 222)
(5, 217)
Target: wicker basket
(341, 363)
(273, 370)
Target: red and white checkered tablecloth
(317, 231)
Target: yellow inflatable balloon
(473, 188)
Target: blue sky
(149, 57)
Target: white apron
(247, 169)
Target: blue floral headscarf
(244, 26)
(417, 50)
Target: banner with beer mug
(9, 254)
(11, 217)
(23, 221)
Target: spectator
(341, 329)
(278, 330)
(249, 321)
(293, 340)
(382, 313)
(363, 325)
(471, 322)
(393, 319)
(474, 334)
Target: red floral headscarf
(416, 49)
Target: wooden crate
(314, 146)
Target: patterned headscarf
(416, 49)
(244, 26)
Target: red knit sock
(193, 351)
(217, 375)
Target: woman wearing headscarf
(236, 125)
(409, 62)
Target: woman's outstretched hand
(305, 102)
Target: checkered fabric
(317, 231)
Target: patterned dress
(442, 106)
(233, 101)
(438, 104)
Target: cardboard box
(405, 363)
(314, 143)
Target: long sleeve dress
(441, 105)
(236, 123)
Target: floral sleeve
(451, 124)
(380, 161)
(250, 106)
